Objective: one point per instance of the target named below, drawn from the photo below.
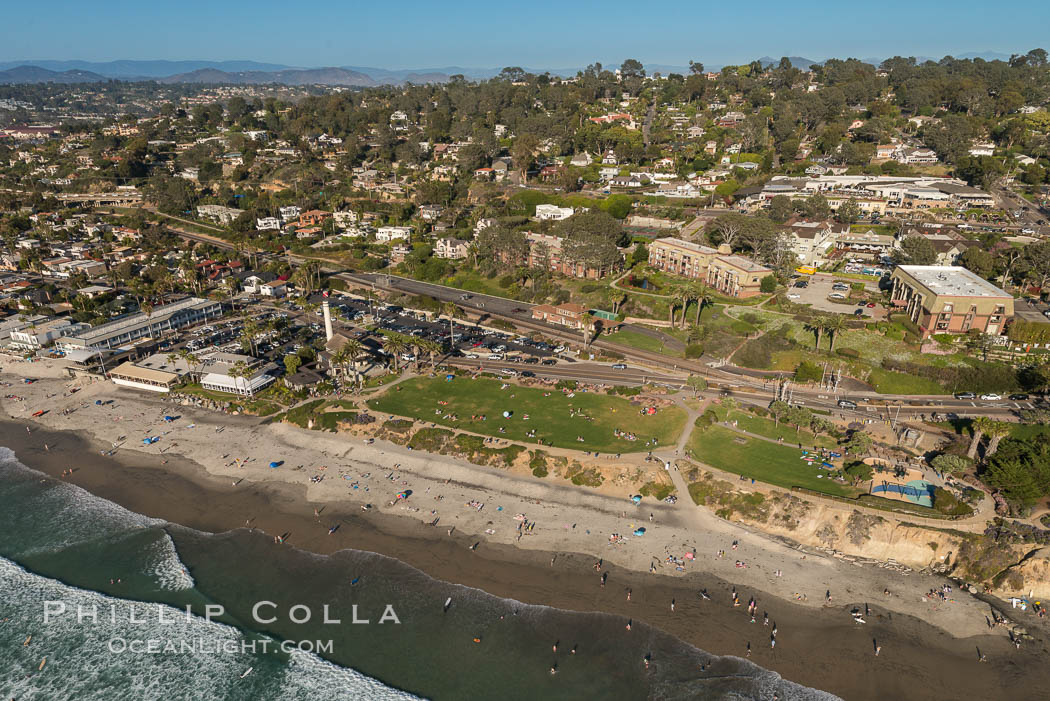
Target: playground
(901, 484)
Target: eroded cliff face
(852, 534)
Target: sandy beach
(212, 472)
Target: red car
(871, 305)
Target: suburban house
(386, 234)
(451, 248)
(950, 299)
(33, 337)
(551, 212)
(811, 240)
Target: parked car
(858, 312)
(472, 356)
(991, 396)
(528, 373)
(549, 361)
(965, 395)
(871, 305)
(495, 356)
(1019, 397)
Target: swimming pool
(917, 491)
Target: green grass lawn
(764, 461)
(549, 416)
(768, 428)
(640, 341)
(889, 382)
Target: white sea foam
(82, 665)
(163, 564)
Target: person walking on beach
(628, 594)
(749, 649)
(878, 648)
(672, 605)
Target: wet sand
(820, 648)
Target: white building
(290, 212)
(216, 375)
(551, 212)
(268, 224)
(36, 336)
(386, 234)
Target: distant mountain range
(254, 72)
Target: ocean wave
(163, 564)
(82, 663)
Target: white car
(508, 372)
(1027, 231)
(794, 296)
(472, 356)
(991, 396)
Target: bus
(805, 270)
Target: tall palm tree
(352, 351)
(395, 345)
(834, 325)
(701, 295)
(431, 348)
(996, 431)
(980, 426)
(817, 326)
(450, 310)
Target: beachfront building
(235, 373)
(35, 336)
(155, 373)
(950, 299)
(185, 312)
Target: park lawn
(767, 427)
(550, 416)
(774, 464)
(639, 341)
(890, 382)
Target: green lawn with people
(756, 458)
(556, 418)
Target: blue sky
(538, 34)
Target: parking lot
(815, 294)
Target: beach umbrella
(507, 414)
(639, 531)
(275, 464)
(689, 556)
(637, 499)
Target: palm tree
(431, 348)
(240, 370)
(702, 296)
(679, 297)
(450, 310)
(980, 426)
(996, 431)
(834, 326)
(395, 345)
(817, 326)
(350, 353)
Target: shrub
(590, 287)
(538, 463)
(694, 350)
(506, 281)
(656, 490)
(808, 372)
(768, 284)
(847, 352)
(859, 471)
(625, 391)
(947, 503)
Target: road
(755, 389)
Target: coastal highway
(654, 365)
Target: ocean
(121, 606)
